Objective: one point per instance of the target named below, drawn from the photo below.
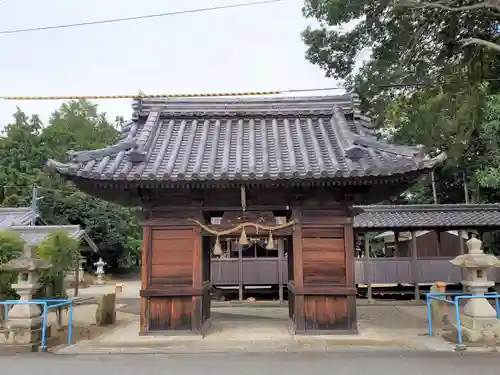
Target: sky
(254, 48)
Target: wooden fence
(266, 271)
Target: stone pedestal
(24, 320)
(479, 322)
(480, 318)
(476, 329)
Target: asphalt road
(409, 363)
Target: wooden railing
(265, 271)
(408, 271)
(255, 271)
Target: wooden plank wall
(323, 286)
(171, 270)
(173, 289)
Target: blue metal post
(70, 322)
(497, 306)
(457, 316)
(6, 312)
(44, 325)
(429, 315)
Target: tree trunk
(77, 278)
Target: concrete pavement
(265, 329)
(346, 363)
(259, 328)
(130, 289)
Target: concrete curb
(86, 347)
(267, 345)
(150, 350)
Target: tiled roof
(458, 216)
(16, 216)
(246, 139)
(33, 235)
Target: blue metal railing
(456, 304)
(47, 304)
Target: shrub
(61, 250)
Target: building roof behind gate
(451, 216)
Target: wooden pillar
(414, 259)
(438, 249)
(461, 243)
(296, 287)
(145, 277)
(396, 244)
(240, 273)
(367, 269)
(281, 248)
(462, 252)
(174, 295)
(324, 293)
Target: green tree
(132, 255)
(61, 250)
(25, 146)
(77, 125)
(457, 6)
(11, 247)
(449, 119)
(420, 84)
(21, 155)
(488, 172)
(407, 46)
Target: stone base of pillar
(484, 331)
(24, 325)
(23, 336)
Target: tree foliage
(25, 146)
(420, 83)
(61, 250)
(492, 6)
(11, 246)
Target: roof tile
(33, 235)
(428, 216)
(246, 139)
(16, 216)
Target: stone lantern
(479, 320)
(24, 322)
(81, 275)
(100, 271)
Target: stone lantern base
(479, 322)
(24, 325)
(477, 330)
(480, 330)
(21, 338)
(24, 336)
